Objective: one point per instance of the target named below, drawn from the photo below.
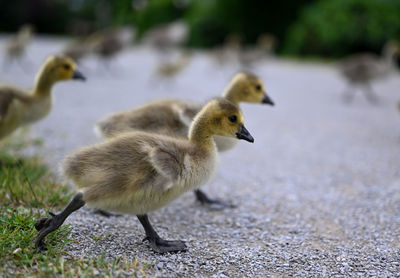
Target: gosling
(16, 46)
(362, 69)
(20, 107)
(139, 172)
(173, 117)
(172, 68)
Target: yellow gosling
(20, 107)
(16, 46)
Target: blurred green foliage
(211, 20)
(152, 14)
(334, 28)
(329, 28)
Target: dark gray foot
(106, 213)
(46, 226)
(372, 97)
(212, 203)
(158, 244)
(49, 224)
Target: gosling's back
(171, 117)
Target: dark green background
(328, 28)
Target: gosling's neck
(232, 92)
(389, 57)
(199, 133)
(43, 85)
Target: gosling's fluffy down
(20, 107)
(362, 69)
(138, 172)
(173, 117)
(16, 46)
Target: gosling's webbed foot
(160, 245)
(213, 203)
(106, 213)
(46, 226)
(49, 224)
(220, 205)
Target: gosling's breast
(225, 143)
(36, 110)
(198, 170)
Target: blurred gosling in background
(15, 49)
(263, 49)
(166, 37)
(170, 69)
(362, 69)
(77, 49)
(20, 107)
(107, 44)
(227, 53)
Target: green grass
(19, 258)
(27, 190)
(27, 182)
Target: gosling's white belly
(225, 143)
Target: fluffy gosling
(362, 69)
(172, 68)
(20, 107)
(139, 172)
(16, 46)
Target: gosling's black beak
(78, 75)
(244, 134)
(267, 100)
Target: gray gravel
(318, 193)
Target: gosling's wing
(7, 96)
(168, 163)
(5, 101)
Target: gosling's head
(27, 29)
(58, 68)
(392, 48)
(226, 119)
(249, 88)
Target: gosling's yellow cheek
(65, 75)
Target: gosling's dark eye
(233, 118)
(67, 67)
(258, 87)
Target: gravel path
(318, 193)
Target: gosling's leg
(212, 203)
(156, 242)
(348, 94)
(50, 224)
(370, 94)
(7, 64)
